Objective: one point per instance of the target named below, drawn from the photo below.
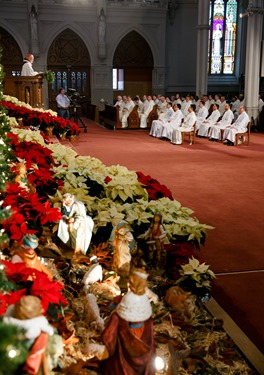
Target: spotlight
(242, 15)
(160, 365)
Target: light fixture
(251, 11)
(160, 365)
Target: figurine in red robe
(128, 339)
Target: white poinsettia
(62, 154)
(93, 165)
(118, 170)
(29, 136)
(197, 272)
(13, 122)
(124, 187)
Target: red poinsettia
(38, 118)
(107, 179)
(49, 291)
(29, 212)
(154, 188)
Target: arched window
(222, 36)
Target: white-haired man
(239, 126)
(27, 69)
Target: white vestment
(157, 125)
(27, 70)
(120, 104)
(127, 109)
(222, 108)
(174, 122)
(187, 126)
(80, 237)
(239, 126)
(185, 106)
(206, 124)
(215, 130)
(201, 116)
(143, 116)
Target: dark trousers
(63, 113)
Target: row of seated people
(205, 124)
(142, 109)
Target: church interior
(127, 300)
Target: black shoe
(230, 143)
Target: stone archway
(69, 60)
(134, 56)
(12, 58)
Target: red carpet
(224, 187)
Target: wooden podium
(26, 89)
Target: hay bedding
(205, 346)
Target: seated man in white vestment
(173, 123)
(185, 105)
(119, 102)
(156, 126)
(75, 227)
(147, 108)
(215, 130)
(186, 126)
(211, 120)
(127, 109)
(162, 107)
(239, 126)
(222, 105)
(201, 114)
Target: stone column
(158, 80)
(202, 47)
(253, 56)
(101, 85)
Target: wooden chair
(153, 115)
(133, 118)
(243, 137)
(191, 134)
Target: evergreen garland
(6, 156)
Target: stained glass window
(222, 36)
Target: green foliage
(49, 77)
(14, 349)
(6, 156)
(5, 285)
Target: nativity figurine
(122, 254)
(156, 238)
(128, 339)
(76, 227)
(26, 253)
(22, 178)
